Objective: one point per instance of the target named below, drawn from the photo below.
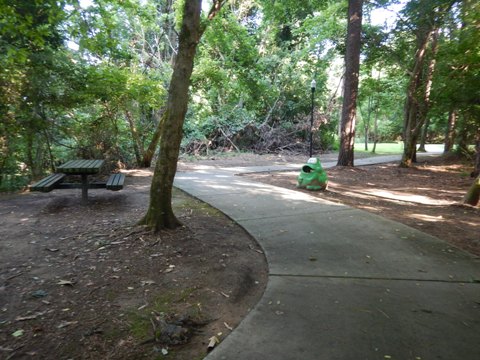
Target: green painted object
(312, 176)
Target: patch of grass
(140, 326)
(393, 148)
(139, 320)
(187, 203)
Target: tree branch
(216, 7)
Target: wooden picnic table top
(81, 167)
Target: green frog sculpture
(312, 176)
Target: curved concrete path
(344, 283)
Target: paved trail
(343, 283)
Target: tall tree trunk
(160, 213)
(450, 133)
(418, 95)
(350, 92)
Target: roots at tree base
(157, 222)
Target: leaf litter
(78, 285)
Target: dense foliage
(90, 78)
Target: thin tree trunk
(352, 68)
(135, 138)
(146, 161)
(423, 136)
(450, 133)
(375, 115)
(428, 88)
(4, 149)
(463, 139)
(366, 140)
(375, 129)
(366, 124)
(32, 159)
(50, 153)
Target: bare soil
(427, 196)
(84, 282)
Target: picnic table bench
(115, 182)
(48, 183)
(84, 168)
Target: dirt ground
(427, 197)
(83, 282)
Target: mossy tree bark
(160, 213)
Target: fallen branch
(229, 140)
(13, 276)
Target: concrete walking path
(343, 283)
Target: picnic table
(84, 168)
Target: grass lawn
(382, 148)
(393, 148)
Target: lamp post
(313, 85)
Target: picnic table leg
(84, 189)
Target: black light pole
(313, 85)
